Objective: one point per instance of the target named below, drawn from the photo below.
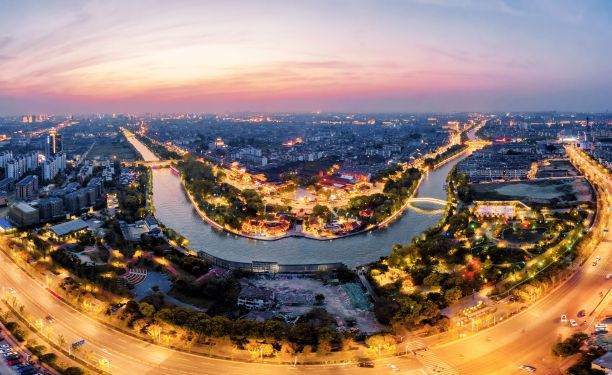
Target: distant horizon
(278, 113)
(187, 56)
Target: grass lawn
(541, 191)
(107, 149)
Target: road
(528, 337)
(130, 355)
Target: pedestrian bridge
(428, 200)
(435, 211)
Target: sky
(68, 56)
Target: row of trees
(158, 149)
(452, 150)
(314, 329)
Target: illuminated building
(53, 144)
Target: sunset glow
(304, 56)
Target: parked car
(368, 364)
(563, 318)
(527, 368)
(14, 362)
(573, 323)
(12, 356)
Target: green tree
(49, 358)
(146, 309)
(452, 295)
(569, 346)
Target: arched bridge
(427, 200)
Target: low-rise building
(133, 232)
(23, 215)
(68, 228)
(5, 226)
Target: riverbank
(175, 210)
(219, 227)
(290, 234)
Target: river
(174, 210)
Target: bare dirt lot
(337, 301)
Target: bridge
(428, 200)
(153, 163)
(411, 201)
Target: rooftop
(69, 227)
(26, 180)
(24, 207)
(5, 225)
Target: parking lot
(15, 361)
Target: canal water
(174, 210)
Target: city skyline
(336, 56)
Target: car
(563, 318)
(527, 368)
(50, 319)
(393, 367)
(598, 258)
(581, 313)
(12, 291)
(573, 323)
(368, 364)
(13, 362)
(594, 263)
(12, 357)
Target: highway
(528, 337)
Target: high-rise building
(53, 165)
(53, 144)
(11, 170)
(27, 189)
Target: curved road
(528, 337)
(130, 355)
